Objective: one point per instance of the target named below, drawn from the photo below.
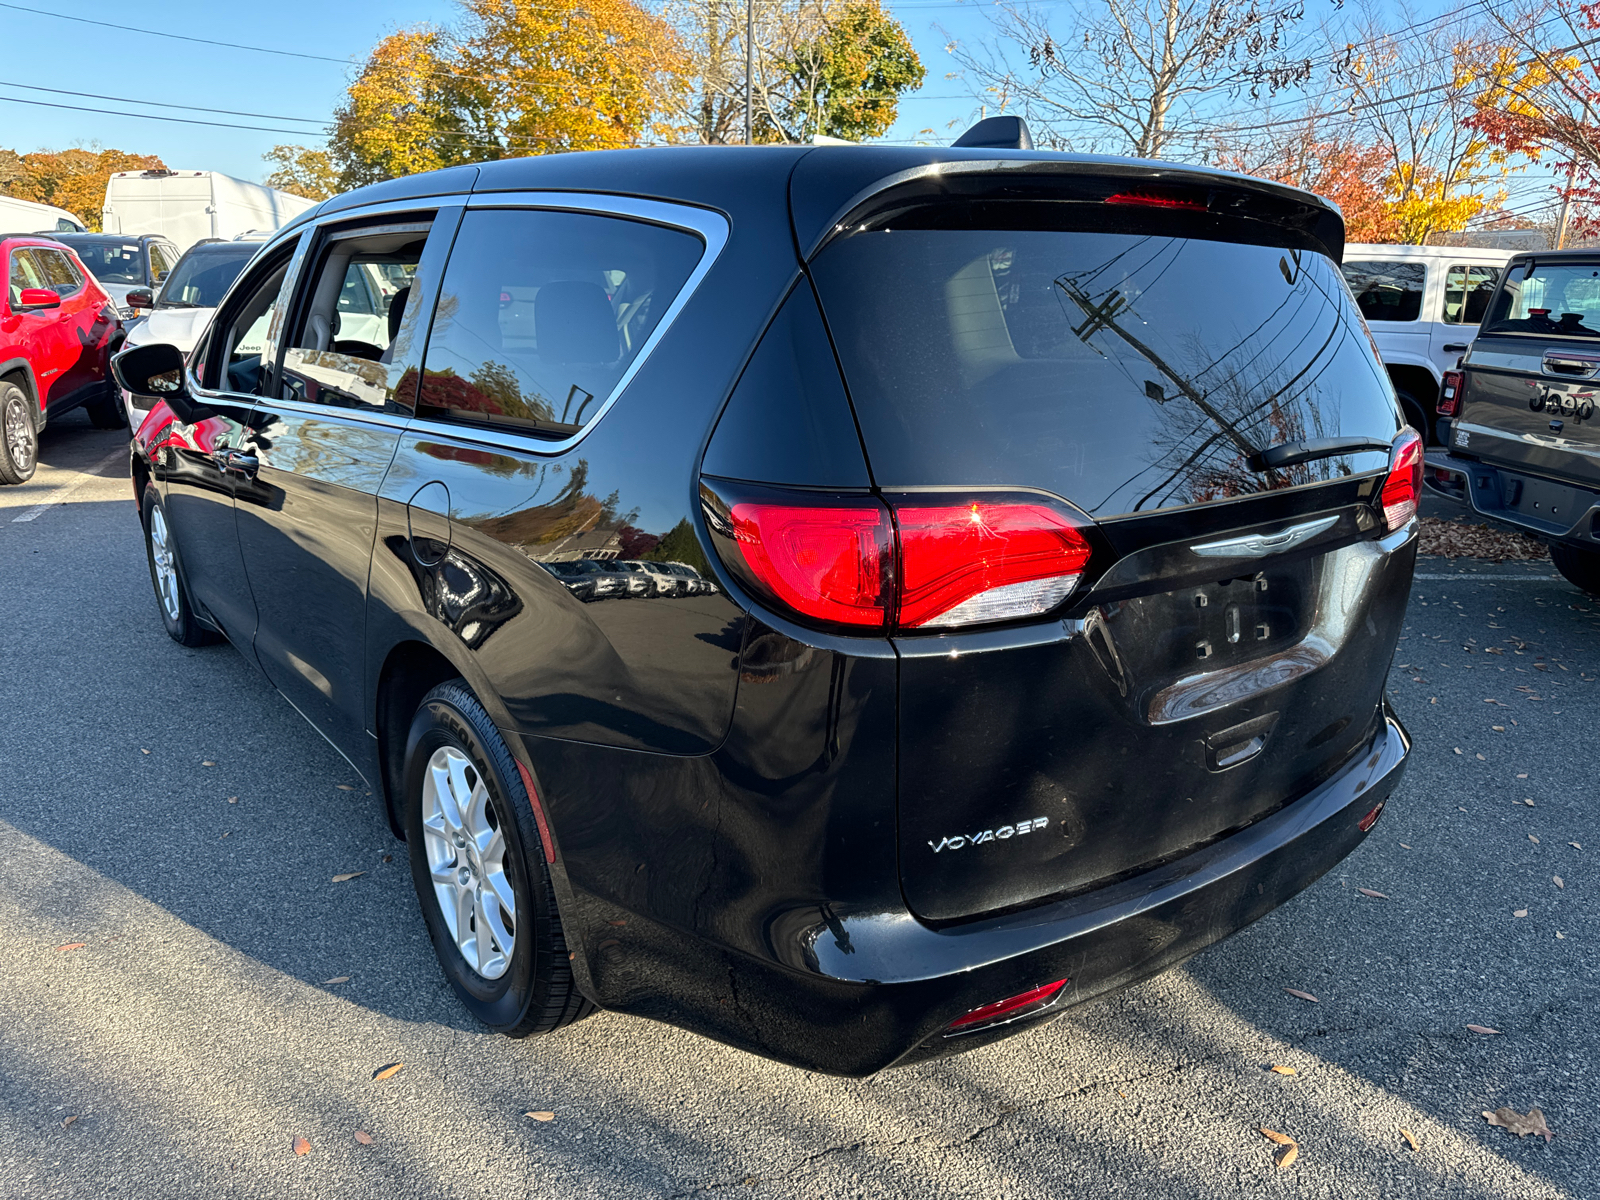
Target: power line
(182, 37)
(228, 112)
(149, 116)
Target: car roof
(1587, 254)
(44, 240)
(818, 183)
(1400, 253)
(72, 238)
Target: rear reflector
(1450, 393)
(922, 563)
(1403, 486)
(1002, 1012)
(978, 562)
(1367, 822)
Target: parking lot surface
(165, 809)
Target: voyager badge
(999, 834)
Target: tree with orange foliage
(71, 179)
(1332, 165)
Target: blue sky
(46, 51)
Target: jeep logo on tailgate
(990, 835)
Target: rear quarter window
(1387, 291)
(541, 313)
(1125, 372)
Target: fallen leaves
(364, 1138)
(301, 1147)
(1410, 1141)
(348, 877)
(1519, 1124)
(69, 1120)
(71, 946)
(1532, 838)
(541, 1116)
(1482, 1029)
(1279, 1070)
(344, 787)
(1575, 845)
(1302, 995)
(233, 799)
(1521, 912)
(1559, 882)
(336, 979)
(1373, 894)
(387, 1072)
(1288, 1149)
(208, 763)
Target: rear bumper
(864, 991)
(1534, 504)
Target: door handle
(1455, 347)
(237, 462)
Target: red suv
(57, 331)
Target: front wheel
(166, 576)
(1580, 567)
(478, 866)
(19, 441)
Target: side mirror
(38, 298)
(155, 372)
(141, 298)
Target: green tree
(846, 81)
(679, 544)
(303, 171)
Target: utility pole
(1566, 206)
(749, 68)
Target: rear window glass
(1556, 299)
(1124, 372)
(1387, 291)
(541, 313)
(112, 262)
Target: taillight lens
(1450, 393)
(913, 562)
(1403, 486)
(828, 562)
(1002, 1012)
(1159, 198)
(980, 562)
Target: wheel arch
(20, 371)
(411, 669)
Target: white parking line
(62, 494)
(1470, 575)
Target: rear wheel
(1580, 567)
(19, 440)
(166, 575)
(107, 412)
(478, 866)
(1415, 416)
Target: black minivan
(1057, 519)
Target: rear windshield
(204, 275)
(112, 262)
(1553, 299)
(1125, 372)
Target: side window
(541, 313)
(1387, 291)
(161, 262)
(1466, 293)
(243, 366)
(57, 269)
(353, 321)
(24, 274)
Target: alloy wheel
(166, 566)
(466, 851)
(19, 435)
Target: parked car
(1524, 449)
(57, 330)
(659, 581)
(190, 206)
(30, 217)
(181, 310)
(129, 269)
(1423, 305)
(1052, 618)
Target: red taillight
(1403, 486)
(1158, 199)
(917, 564)
(826, 562)
(1034, 1000)
(1450, 393)
(978, 562)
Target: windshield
(1553, 299)
(112, 261)
(203, 276)
(1125, 372)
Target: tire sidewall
(175, 629)
(455, 719)
(11, 394)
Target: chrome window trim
(709, 226)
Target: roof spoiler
(997, 133)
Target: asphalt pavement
(165, 809)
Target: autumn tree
(71, 179)
(303, 172)
(1136, 77)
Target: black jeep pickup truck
(1521, 439)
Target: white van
(190, 206)
(24, 216)
(1423, 304)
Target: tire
(107, 412)
(459, 776)
(1416, 416)
(166, 577)
(1580, 567)
(19, 435)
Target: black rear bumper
(864, 991)
(1548, 509)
